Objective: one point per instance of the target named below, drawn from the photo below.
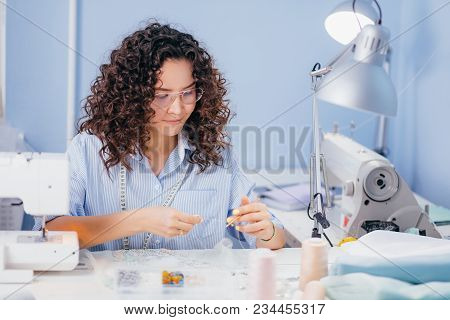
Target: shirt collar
(182, 146)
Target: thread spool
(223, 250)
(262, 282)
(314, 290)
(314, 261)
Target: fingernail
(235, 212)
(229, 219)
(238, 228)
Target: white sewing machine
(374, 196)
(41, 182)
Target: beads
(172, 279)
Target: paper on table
(396, 244)
(440, 215)
(288, 198)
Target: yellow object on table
(345, 240)
(172, 278)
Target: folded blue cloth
(361, 286)
(413, 269)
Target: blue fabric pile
(391, 265)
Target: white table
(230, 270)
(98, 281)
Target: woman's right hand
(167, 222)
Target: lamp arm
(329, 66)
(379, 11)
(381, 147)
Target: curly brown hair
(118, 109)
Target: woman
(151, 167)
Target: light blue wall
(260, 46)
(36, 71)
(264, 48)
(420, 137)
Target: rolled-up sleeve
(242, 186)
(77, 181)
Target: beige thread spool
(314, 290)
(314, 261)
(262, 282)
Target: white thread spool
(314, 263)
(262, 282)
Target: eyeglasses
(188, 97)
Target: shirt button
(157, 242)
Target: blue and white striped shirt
(211, 194)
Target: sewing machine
(40, 182)
(374, 196)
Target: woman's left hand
(258, 219)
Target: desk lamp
(354, 79)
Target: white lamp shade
(361, 86)
(342, 23)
